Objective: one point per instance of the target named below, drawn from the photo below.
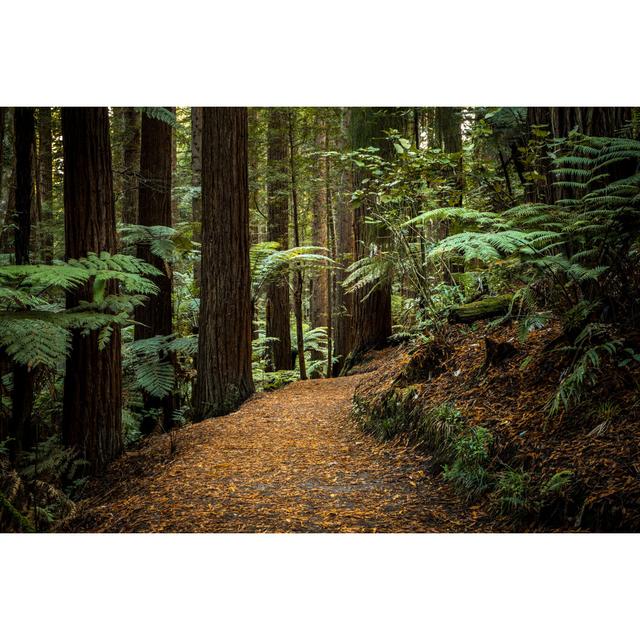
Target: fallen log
(490, 307)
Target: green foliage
(558, 484)
(159, 113)
(439, 430)
(35, 328)
(168, 243)
(269, 264)
(513, 493)
(589, 351)
(149, 361)
(37, 494)
(468, 472)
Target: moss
(483, 308)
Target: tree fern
(35, 328)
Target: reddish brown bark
(224, 347)
(21, 428)
(278, 305)
(45, 179)
(92, 405)
(154, 318)
(343, 304)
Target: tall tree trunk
(45, 172)
(372, 305)
(6, 231)
(331, 240)
(92, 405)
(174, 169)
(318, 307)
(196, 180)
(277, 306)
(4, 360)
(449, 121)
(344, 241)
(297, 301)
(3, 111)
(154, 318)
(131, 161)
(22, 397)
(256, 141)
(449, 125)
(224, 344)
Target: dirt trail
(290, 460)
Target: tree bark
(328, 274)
(92, 404)
(224, 346)
(297, 296)
(372, 304)
(196, 180)
(343, 303)
(45, 172)
(174, 169)
(319, 235)
(3, 111)
(449, 121)
(154, 208)
(21, 428)
(6, 232)
(131, 162)
(277, 294)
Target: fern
(35, 328)
(160, 113)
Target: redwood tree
(277, 309)
(92, 404)
(196, 177)
(22, 396)
(372, 304)
(344, 243)
(154, 318)
(45, 182)
(224, 345)
(318, 306)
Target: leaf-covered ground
(290, 460)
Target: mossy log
(480, 309)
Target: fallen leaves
(290, 460)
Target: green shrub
(439, 428)
(513, 492)
(558, 484)
(389, 415)
(468, 473)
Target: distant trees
(154, 318)
(92, 404)
(131, 163)
(278, 304)
(224, 346)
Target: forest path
(289, 460)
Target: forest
(319, 319)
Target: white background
(300, 53)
